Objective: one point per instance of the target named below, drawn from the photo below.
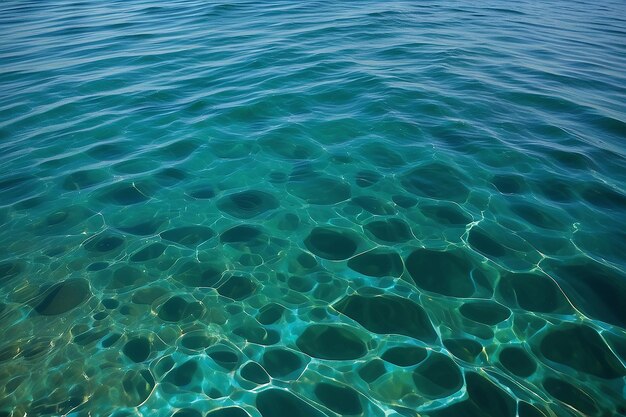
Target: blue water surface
(276, 209)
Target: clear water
(276, 209)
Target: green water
(276, 209)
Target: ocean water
(276, 209)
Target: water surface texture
(276, 209)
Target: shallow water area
(271, 209)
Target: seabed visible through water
(279, 209)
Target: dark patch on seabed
(280, 209)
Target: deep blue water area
(315, 208)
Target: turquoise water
(275, 209)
